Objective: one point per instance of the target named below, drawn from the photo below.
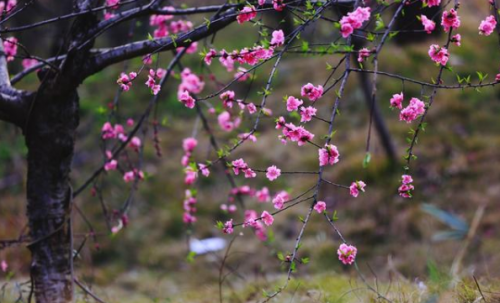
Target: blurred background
(406, 248)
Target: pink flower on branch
(347, 254)
(356, 187)
(487, 26)
(328, 155)
(320, 207)
(272, 173)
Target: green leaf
(190, 257)
(367, 160)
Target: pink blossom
(108, 131)
(187, 218)
(204, 169)
(456, 39)
(328, 155)
(406, 187)
(232, 208)
(227, 98)
(397, 100)
(135, 143)
(363, 53)
(250, 218)
(111, 165)
(412, 111)
(262, 2)
(405, 190)
(272, 173)
(240, 165)
(247, 136)
(280, 199)
(293, 103)
(226, 60)
(278, 38)
(116, 229)
(191, 49)
(242, 74)
(27, 63)
(246, 14)
(295, 133)
(278, 5)
(428, 24)
(108, 15)
(251, 108)
(450, 20)
(354, 20)
(249, 173)
(10, 6)
(406, 179)
(356, 187)
(10, 48)
(125, 81)
(226, 123)
(4, 265)
(347, 253)
(130, 122)
(186, 99)
(438, 54)
(147, 59)
(185, 159)
(346, 29)
(312, 92)
(190, 82)
(263, 195)
(228, 227)
(306, 113)
(112, 3)
(189, 144)
(267, 218)
(431, 3)
(129, 176)
(320, 207)
(191, 176)
(209, 56)
(487, 26)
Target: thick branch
(141, 48)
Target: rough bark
(50, 137)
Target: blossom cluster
(164, 27)
(412, 111)
(250, 56)
(487, 26)
(10, 48)
(406, 186)
(112, 5)
(293, 133)
(354, 20)
(190, 84)
(108, 132)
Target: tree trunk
(50, 137)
